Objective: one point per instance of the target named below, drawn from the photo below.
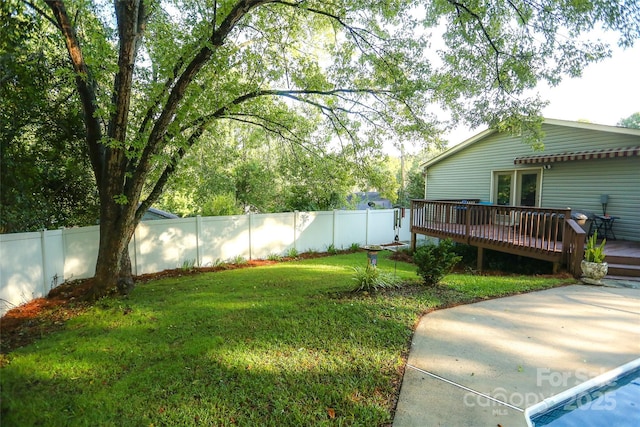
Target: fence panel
(404, 232)
(351, 227)
(32, 263)
(314, 230)
(80, 252)
(272, 234)
(380, 227)
(223, 238)
(53, 256)
(22, 281)
(165, 244)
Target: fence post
(64, 254)
(135, 250)
(295, 230)
(333, 232)
(250, 241)
(198, 240)
(43, 252)
(366, 231)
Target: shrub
(435, 261)
(468, 253)
(371, 279)
(221, 204)
(274, 257)
(292, 253)
(188, 264)
(355, 247)
(238, 260)
(332, 249)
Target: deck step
(624, 270)
(622, 260)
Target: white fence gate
(31, 264)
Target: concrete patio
(482, 364)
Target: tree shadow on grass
(152, 359)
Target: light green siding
(579, 184)
(467, 174)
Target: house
(153, 213)
(582, 166)
(369, 200)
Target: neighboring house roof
(567, 123)
(369, 199)
(153, 213)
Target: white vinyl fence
(31, 264)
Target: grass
(281, 345)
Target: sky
(605, 93)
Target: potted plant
(593, 266)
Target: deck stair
(623, 259)
(621, 266)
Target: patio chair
(586, 220)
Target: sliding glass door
(517, 188)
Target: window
(517, 187)
(528, 189)
(503, 194)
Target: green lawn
(282, 345)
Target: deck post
(480, 258)
(411, 219)
(467, 223)
(565, 238)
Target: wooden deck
(546, 234)
(494, 235)
(622, 248)
(541, 233)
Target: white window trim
(514, 183)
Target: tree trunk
(107, 265)
(113, 266)
(125, 275)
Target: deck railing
(574, 247)
(541, 233)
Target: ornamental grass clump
(370, 279)
(435, 261)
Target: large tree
(46, 178)
(633, 121)
(254, 171)
(153, 76)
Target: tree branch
(131, 21)
(266, 124)
(486, 34)
(86, 86)
(178, 90)
(43, 14)
(158, 135)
